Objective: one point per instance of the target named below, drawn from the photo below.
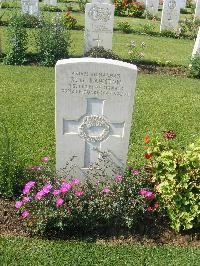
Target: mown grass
(26, 251)
(27, 109)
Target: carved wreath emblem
(94, 121)
(99, 13)
(172, 4)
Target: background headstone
(94, 105)
(30, 6)
(197, 45)
(99, 19)
(183, 3)
(197, 10)
(152, 7)
(50, 2)
(170, 15)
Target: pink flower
(47, 188)
(75, 181)
(118, 178)
(45, 159)
(135, 171)
(36, 168)
(149, 209)
(65, 187)
(59, 202)
(78, 193)
(155, 205)
(39, 194)
(142, 192)
(25, 199)
(25, 214)
(150, 195)
(18, 204)
(56, 192)
(28, 187)
(106, 190)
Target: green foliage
(50, 8)
(68, 20)
(124, 26)
(103, 53)
(53, 42)
(148, 27)
(189, 27)
(128, 8)
(62, 203)
(29, 21)
(194, 66)
(17, 42)
(10, 169)
(81, 4)
(175, 175)
(5, 5)
(169, 33)
(136, 51)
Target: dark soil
(148, 233)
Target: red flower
(148, 155)
(146, 139)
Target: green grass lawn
(27, 109)
(25, 251)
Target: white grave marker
(30, 6)
(94, 105)
(196, 49)
(152, 7)
(183, 3)
(197, 10)
(99, 19)
(50, 2)
(170, 15)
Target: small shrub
(148, 27)
(175, 176)
(136, 52)
(81, 4)
(5, 5)
(68, 20)
(135, 9)
(194, 66)
(53, 42)
(124, 26)
(50, 8)
(189, 27)
(129, 8)
(17, 42)
(169, 33)
(102, 53)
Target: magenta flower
(59, 202)
(18, 204)
(47, 188)
(118, 178)
(75, 181)
(142, 192)
(65, 187)
(45, 159)
(36, 168)
(149, 194)
(78, 193)
(28, 187)
(155, 205)
(25, 214)
(135, 171)
(56, 192)
(25, 199)
(39, 194)
(106, 190)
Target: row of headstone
(196, 49)
(32, 6)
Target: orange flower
(146, 139)
(148, 155)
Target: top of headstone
(102, 1)
(96, 60)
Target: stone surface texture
(152, 7)
(170, 15)
(50, 2)
(99, 19)
(197, 10)
(94, 105)
(30, 6)
(197, 45)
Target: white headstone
(94, 105)
(30, 6)
(50, 2)
(182, 3)
(197, 10)
(196, 49)
(99, 19)
(152, 7)
(170, 15)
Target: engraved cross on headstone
(98, 40)
(94, 132)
